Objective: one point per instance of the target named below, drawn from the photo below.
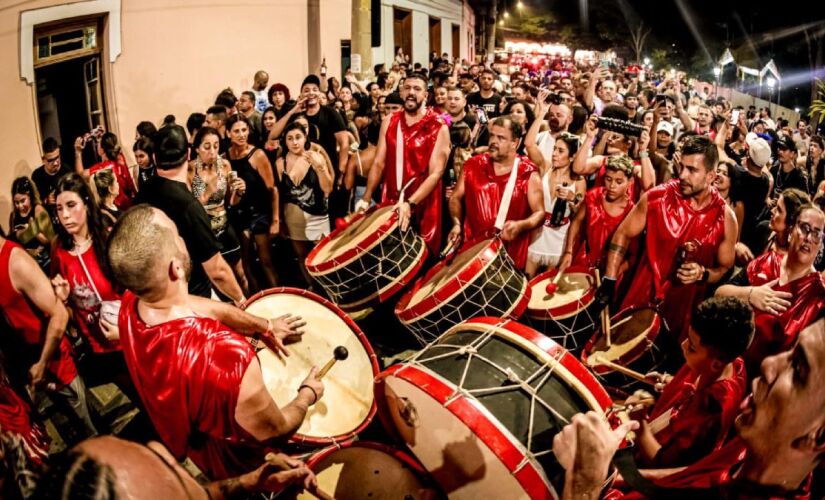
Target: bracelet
(268, 326)
(644, 154)
(313, 393)
(568, 252)
(749, 297)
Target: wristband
(412, 205)
(315, 394)
(644, 154)
(749, 297)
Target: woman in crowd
(272, 144)
(144, 152)
(727, 183)
(217, 189)
(111, 157)
(520, 112)
(81, 282)
(559, 185)
(106, 188)
(279, 99)
(30, 223)
(256, 216)
(439, 99)
(306, 179)
(775, 233)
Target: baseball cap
(786, 142)
(665, 127)
(311, 80)
(759, 150)
(171, 147)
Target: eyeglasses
(810, 233)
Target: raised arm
(530, 140)
(583, 163)
(630, 228)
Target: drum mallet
(554, 284)
(598, 359)
(279, 463)
(605, 315)
(339, 354)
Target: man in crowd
(45, 176)
(259, 89)
(785, 173)
(755, 184)
(169, 191)
(481, 187)
(246, 106)
(457, 108)
(198, 377)
(412, 152)
(558, 120)
(690, 238)
(486, 98)
(216, 118)
(703, 122)
(781, 438)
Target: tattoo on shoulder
(617, 249)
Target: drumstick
(447, 249)
(597, 358)
(605, 315)
(281, 464)
(554, 284)
(339, 354)
(620, 322)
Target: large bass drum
(367, 261)
(348, 405)
(480, 407)
(481, 281)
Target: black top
(753, 191)
(490, 104)
(323, 127)
(144, 174)
(782, 180)
(47, 183)
(180, 205)
(256, 199)
(307, 194)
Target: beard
(412, 105)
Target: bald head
(141, 247)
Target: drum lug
(408, 412)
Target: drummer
(604, 209)
(198, 377)
(478, 194)
(785, 297)
(424, 147)
(697, 406)
(690, 238)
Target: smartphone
(482, 115)
(661, 100)
(605, 63)
(734, 116)
(641, 75)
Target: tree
(638, 37)
(815, 40)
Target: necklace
(79, 246)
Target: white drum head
(348, 387)
(353, 235)
(447, 273)
(571, 287)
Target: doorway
(435, 37)
(402, 31)
(456, 42)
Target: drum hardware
(597, 358)
(339, 354)
(408, 412)
(605, 314)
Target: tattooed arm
(631, 227)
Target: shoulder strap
(399, 156)
(504, 208)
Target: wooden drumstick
(281, 464)
(605, 315)
(597, 358)
(554, 284)
(339, 354)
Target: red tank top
(419, 143)
(30, 324)
(599, 227)
(84, 294)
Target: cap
(311, 80)
(171, 147)
(786, 142)
(759, 150)
(665, 127)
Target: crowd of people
(710, 211)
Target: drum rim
(347, 256)
(565, 310)
(453, 286)
(498, 439)
(398, 454)
(631, 355)
(299, 438)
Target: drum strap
(501, 218)
(624, 461)
(399, 156)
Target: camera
(623, 127)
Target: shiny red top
(419, 144)
(188, 373)
(699, 421)
(30, 325)
(483, 191)
(599, 227)
(127, 193)
(672, 222)
(17, 421)
(84, 300)
(777, 333)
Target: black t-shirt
(180, 205)
(490, 104)
(782, 180)
(323, 127)
(47, 183)
(753, 191)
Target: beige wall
(176, 56)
